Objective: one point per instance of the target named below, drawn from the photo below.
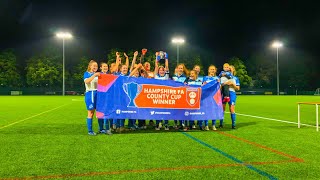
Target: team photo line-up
(227, 79)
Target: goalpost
(317, 93)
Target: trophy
(162, 57)
(132, 90)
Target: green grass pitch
(45, 137)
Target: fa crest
(193, 96)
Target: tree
(190, 57)
(80, 68)
(112, 55)
(9, 75)
(263, 70)
(197, 61)
(242, 73)
(44, 70)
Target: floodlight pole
(177, 54)
(277, 45)
(278, 86)
(178, 41)
(63, 36)
(63, 69)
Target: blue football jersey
(236, 80)
(227, 74)
(165, 77)
(92, 86)
(180, 78)
(208, 79)
(200, 78)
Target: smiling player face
(193, 75)
(212, 70)
(124, 69)
(147, 66)
(161, 71)
(94, 67)
(180, 69)
(197, 69)
(104, 67)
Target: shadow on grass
(80, 129)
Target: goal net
(317, 93)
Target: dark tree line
(259, 71)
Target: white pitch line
(272, 119)
(32, 116)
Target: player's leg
(214, 125)
(107, 123)
(166, 125)
(191, 124)
(221, 120)
(89, 122)
(158, 125)
(232, 104)
(200, 124)
(226, 93)
(100, 123)
(90, 104)
(175, 124)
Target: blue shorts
(233, 98)
(91, 100)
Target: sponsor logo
(129, 112)
(155, 112)
(197, 113)
(118, 111)
(162, 112)
(193, 113)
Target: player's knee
(90, 114)
(232, 109)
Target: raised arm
(156, 66)
(118, 61)
(166, 64)
(135, 70)
(134, 60)
(127, 59)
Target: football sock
(233, 119)
(89, 124)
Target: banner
(122, 97)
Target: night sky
(224, 28)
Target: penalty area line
(19, 121)
(272, 119)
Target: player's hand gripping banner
(121, 97)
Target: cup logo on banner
(192, 96)
(132, 90)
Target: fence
(40, 91)
(80, 91)
(274, 92)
